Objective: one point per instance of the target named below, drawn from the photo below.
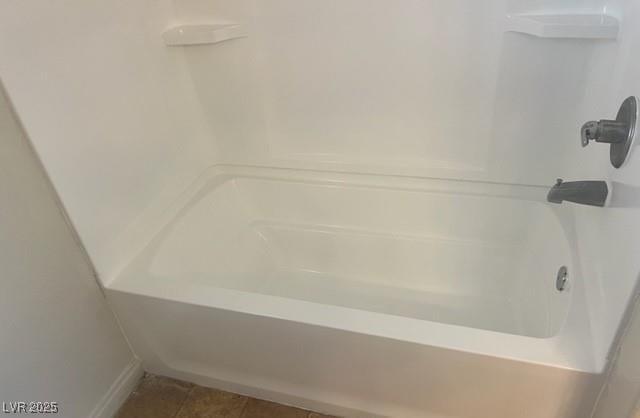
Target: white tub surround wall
(108, 107)
(60, 340)
(391, 88)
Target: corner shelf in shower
(203, 34)
(576, 26)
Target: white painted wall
(60, 341)
(107, 107)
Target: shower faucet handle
(618, 133)
(608, 131)
(588, 132)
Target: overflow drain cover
(561, 278)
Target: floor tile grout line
(244, 406)
(184, 401)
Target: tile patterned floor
(162, 397)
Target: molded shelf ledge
(202, 34)
(581, 26)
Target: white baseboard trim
(119, 391)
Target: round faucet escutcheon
(619, 133)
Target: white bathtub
(365, 295)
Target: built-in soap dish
(203, 34)
(577, 26)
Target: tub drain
(561, 278)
